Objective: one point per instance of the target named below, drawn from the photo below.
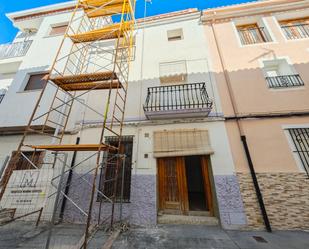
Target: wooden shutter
(36, 81)
(184, 142)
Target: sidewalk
(198, 237)
(23, 235)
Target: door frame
(182, 184)
(207, 184)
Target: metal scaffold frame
(100, 36)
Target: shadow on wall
(263, 90)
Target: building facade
(198, 85)
(260, 58)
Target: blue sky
(157, 7)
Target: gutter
(241, 132)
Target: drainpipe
(241, 132)
(70, 175)
(68, 182)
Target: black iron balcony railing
(253, 36)
(14, 49)
(178, 99)
(1, 97)
(284, 81)
(296, 31)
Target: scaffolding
(94, 54)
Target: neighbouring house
(260, 56)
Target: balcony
(12, 50)
(296, 31)
(284, 81)
(1, 97)
(176, 101)
(253, 35)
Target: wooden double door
(176, 182)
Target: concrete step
(189, 220)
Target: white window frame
(298, 161)
(289, 61)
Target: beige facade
(261, 102)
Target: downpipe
(241, 132)
(256, 184)
(68, 183)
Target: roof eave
(254, 8)
(19, 14)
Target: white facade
(153, 49)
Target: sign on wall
(27, 189)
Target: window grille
(300, 138)
(106, 183)
(284, 81)
(252, 34)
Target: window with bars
(300, 138)
(108, 171)
(252, 34)
(280, 74)
(22, 162)
(36, 157)
(295, 29)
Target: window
(174, 35)
(173, 72)
(252, 34)
(108, 172)
(295, 29)
(58, 30)
(280, 74)
(36, 81)
(36, 157)
(300, 138)
(21, 163)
